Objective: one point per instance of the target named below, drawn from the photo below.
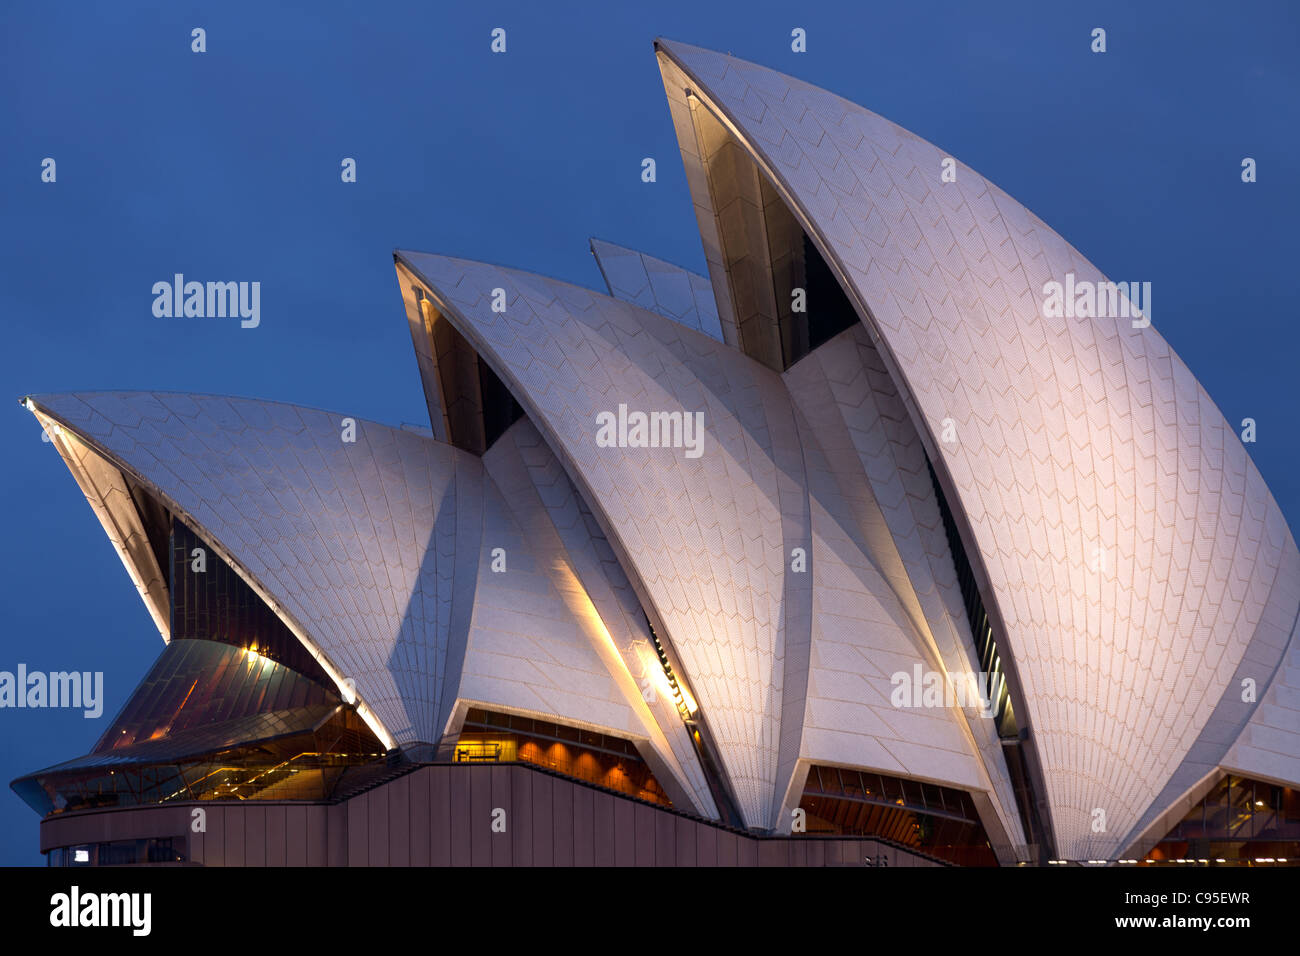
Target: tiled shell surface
(659, 286)
(709, 538)
(380, 549)
(1130, 543)
(357, 541)
(704, 535)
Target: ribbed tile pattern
(703, 535)
(356, 542)
(1254, 730)
(878, 471)
(786, 666)
(1129, 542)
(659, 286)
(380, 551)
(528, 650)
(1268, 747)
(564, 543)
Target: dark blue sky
(225, 165)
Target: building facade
(860, 549)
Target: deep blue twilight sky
(225, 166)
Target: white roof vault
(1126, 546)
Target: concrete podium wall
(442, 815)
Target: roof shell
(1127, 542)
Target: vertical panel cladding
(420, 820)
(747, 851)
(399, 821)
(234, 837)
(479, 821)
(460, 791)
(521, 818)
(644, 824)
(550, 821)
(685, 840)
(358, 831)
(316, 836)
(277, 853)
(213, 842)
(624, 833)
(443, 822)
(604, 831)
(807, 853)
(563, 826)
(377, 825)
(499, 841)
(194, 844)
(543, 809)
(830, 853)
(666, 825)
(336, 833)
(585, 829)
(728, 849)
(798, 853)
(706, 846)
(848, 853)
(295, 834)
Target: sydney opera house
(851, 552)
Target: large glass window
(120, 853)
(940, 821)
(216, 604)
(1240, 822)
(610, 762)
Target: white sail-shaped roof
(789, 668)
(1125, 541)
(378, 555)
